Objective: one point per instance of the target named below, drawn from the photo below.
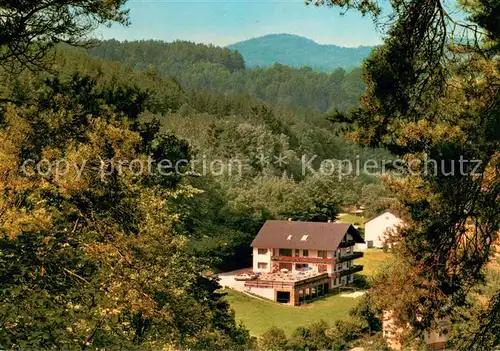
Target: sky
(224, 22)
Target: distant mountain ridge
(297, 51)
(208, 68)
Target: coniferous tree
(432, 93)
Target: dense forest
(203, 68)
(226, 216)
(218, 214)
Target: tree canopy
(29, 29)
(90, 252)
(205, 68)
(432, 93)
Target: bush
(314, 337)
(274, 339)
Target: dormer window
(289, 237)
(304, 237)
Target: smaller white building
(378, 229)
(436, 338)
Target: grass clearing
(372, 260)
(259, 315)
(352, 219)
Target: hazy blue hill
(296, 51)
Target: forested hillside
(111, 232)
(93, 257)
(205, 68)
(297, 51)
(224, 218)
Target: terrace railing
(302, 259)
(352, 270)
(263, 283)
(328, 260)
(269, 284)
(351, 256)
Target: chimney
(329, 221)
(290, 219)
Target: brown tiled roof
(289, 235)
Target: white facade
(300, 261)
(262, 260)
(378, 228)
(264, 292)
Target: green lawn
(260, 315)
(372, 260)
(352, 219)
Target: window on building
(297, 252)
(286, 252)
(262, 265)
(305, 253)
(322, 253)
(262, 251)
(300, 266)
